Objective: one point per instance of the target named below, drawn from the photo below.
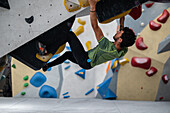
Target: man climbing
(104, 51)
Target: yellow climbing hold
(71, 6)
(44, 58)
(80, 72)
(79, 30)
(84, 3)
(81, 22)
(60, 49)
(1, 68)
(123, 61)
(97, 87)
(88, 45)
(115, 64)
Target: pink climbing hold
(149, 5)
(164, 17)
(141, 62)
(140, 44)
(154, 26)
(136, 12)
(151, 71)
(165, 79)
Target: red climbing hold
(154, 26)
(141, 62)
(136, 12)
(161, 98)
(164, 17)
(151, 71)
(149, 5)
(140, 44)
(165, 79)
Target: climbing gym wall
(35, 18)
(142, 74)
(26, 19)
(77, 82)
(141, 79)
(68, 79)
(29, 83)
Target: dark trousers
(77, 54)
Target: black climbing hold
(4, 4)
(107, 9)
(29, 20)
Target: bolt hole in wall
(9, 44)
(9, 25)
(60, 14)
(70, 5)
(50, 4)
(29, 4)
(40, 15)
(29, 25)
(19, 35)
(19, 14)
(48, 21)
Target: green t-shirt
(104, 51)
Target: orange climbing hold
(108, 67)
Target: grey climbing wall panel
(14, 29)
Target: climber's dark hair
(128, 37)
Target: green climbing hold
(13, 65)
(26, 77)
(23, 93)
(26, 84)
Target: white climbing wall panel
(15, 31)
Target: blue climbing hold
(66, 61)
(88, 60)
(89, 91)
(104, 90)
(47, 92)
(67, 67)
(68, 48)
(38, 79)
(110, 94)
(65, 93)
(66, 96)
(55, 56)
(49, 69)
(81, 73)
